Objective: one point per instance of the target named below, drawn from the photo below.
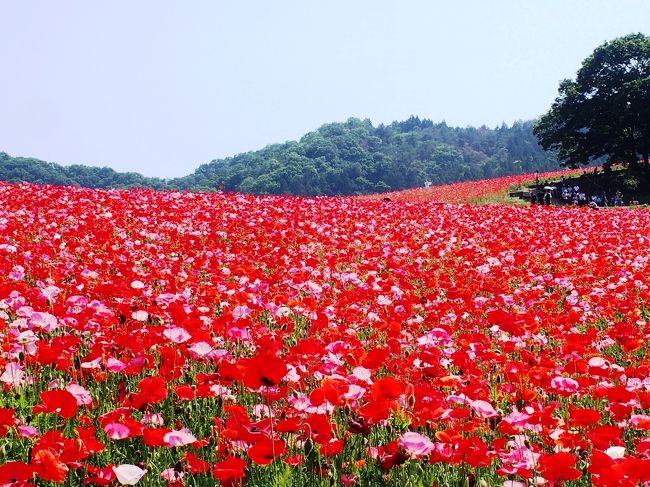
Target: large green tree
(605, 111)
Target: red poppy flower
(100, 476)
(154, 436)
(15, 472)
(386, 389)
(60, 402)
(152, 391)
(602, 437)
(600, 462)
(265, 450)
(619, 412)
(559, 466)
(583, 417)
(448, 436)
(48, 466)
(231, 371)
(319, 428)
(374, 411)
(89, 440)
(392, 456)
(321, 394)
(375, 358)
(266, 370)
(6, 420)
(294, 460)
(232, 468)
(333, 447)
(194, 464)
(184, 392)
(289, 425)
(474, 452)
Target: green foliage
(605, 111)
(347, 158)
(19, 169)
(355, 157)
(631, 183)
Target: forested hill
(347, 158)
(356, 157)
(19, 169)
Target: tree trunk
(633, 153)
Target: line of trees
(353, 157)
(19, 169)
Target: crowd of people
(566, 193)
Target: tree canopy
(605, 111)
(352, 157)
(19, 169)
(355, 157)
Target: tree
(605, 111)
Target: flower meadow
(171, 339)
(471, 191)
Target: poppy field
(172, 339)
(483, 191)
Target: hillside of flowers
(184, 339)
(486, 190)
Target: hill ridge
(340, 158)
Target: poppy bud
(309, 447)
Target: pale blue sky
(160, 87)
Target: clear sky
(159, 86)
